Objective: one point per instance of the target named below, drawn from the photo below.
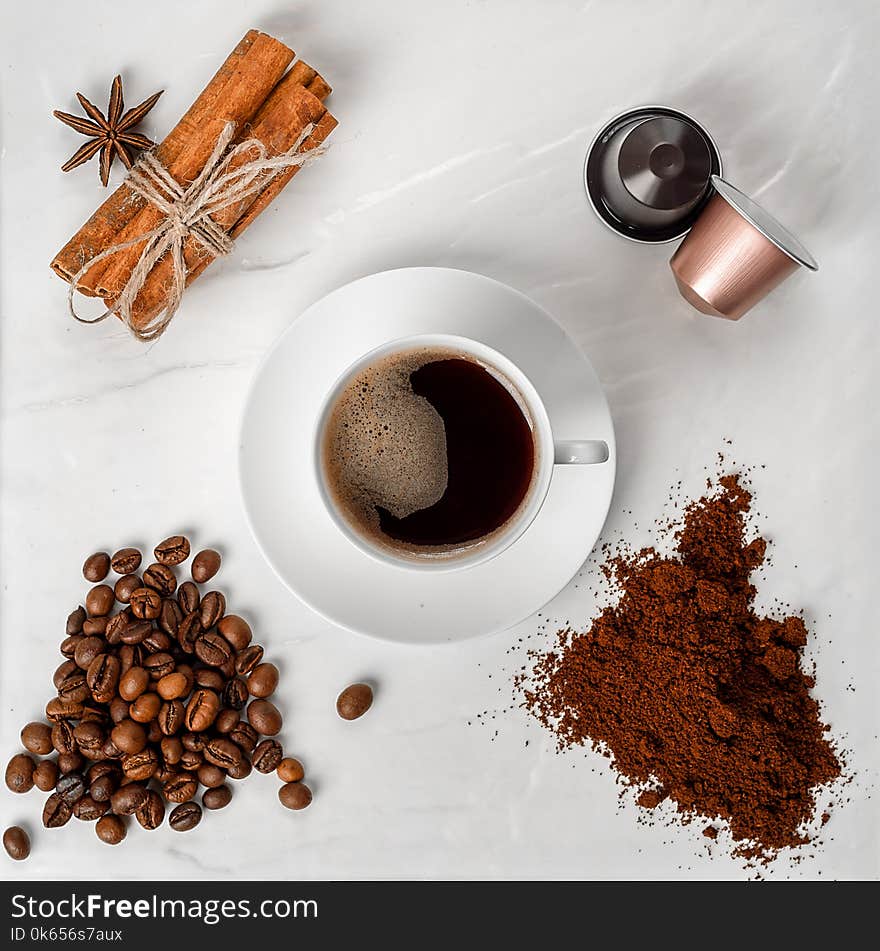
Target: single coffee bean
(128, 799)
(222, 752)
(152, 812)
(180, 787)
(46, 775)
(87, 650)
(188, 632)
(145, 708)
(56, 812)
(126, 561)
(75, 687)
(103, 787)
(140, 766)
(185, 816)
(145, 604)
(267, 756)
(265, 717)
(20, 773)
(188, 597)
(159, 665)
(172, 750)
(170, 617)
(68, 645)
(116, 625)
(94, 713)
(290, 770)
(212, 608)
(89, 810)
(75, 621)
(244, 736)
(173, 551)
(110, 750)
(227, 720)
(58, 709)
(103, 677)
(236, 630)
(170, 717)
(125, 586)
(71, 762)
(172, 686)
(96, 567)
(133, 683)
(213, 649)
(129, 737)
(110, 829)
(205, 565)
(210, 677)
(161, 578)
(17, 843)
(210, 775)
(137, 632)
(100, 600)
(63, 671)
(191, 760)
(95, 627)
(189, 676)
(202, 709)
(119, 710)
(241, 770)
(89, 736)
(130, 655)
(354, 701)
(71, 787)
(217, 797)
(102, 768)
(158, 642)
(295, 795)
(263, 680)
(62, 736)
(235, 694)
(194, 741)
(246, 660)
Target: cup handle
(580, 452)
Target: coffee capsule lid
(765, 223)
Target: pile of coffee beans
(161, 693)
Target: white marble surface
(463, 127)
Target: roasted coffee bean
(110, 829)
(158, 642)
(103, 787)
(96, 567)
(171, 717)
(70, 762)
(267, 756)
(87, 650)
(56, 812)
(227, 720)
(202, 709)
(222, 752)
(17, 843)
(94, 713)
(75, 687)
(130, 655)
(71, 787)
(246, 660)
(63, 671)
(145, 708)
(295, 795)
(102, 768)
(125, 586)
(173, 551)
(212, 608)
(213, 649)
(75, 621)
(172, 750)
(170, 617)
(58, 709)
(290, 770)
(159, 665)
(236, 630)
(188, 632)
(89, 736)
(188, 597)
(95, 627)
(263, 680)
(154, 732)
(137, 632)
(152, 812)
(133, 683)
(103, 677)
(205, 565)
(110, 750)
(69, 645)
(181, 787)
(190, 676)
(216, 797)
(264, 717)
(145, 604)
(160, 578)
(62, 736)
(128, 799)
(210, 775)
(46, 775)
(194, 741)
(89, 810)
(129, 737)
(20, 773)
(172, 686)
(100, 600)
(191, 760)
(235, 694)
(185, 816)
(241, 770)
(126, 561)
(119, 710)
(210, 677)
(116, 626)
(140, 766)
(244, 735)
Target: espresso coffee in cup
(428, 453)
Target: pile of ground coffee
(695, 697)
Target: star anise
(110, 135)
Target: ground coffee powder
(695, 697)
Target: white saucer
(281, 494)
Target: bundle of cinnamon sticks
(266, 101)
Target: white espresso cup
(548, 455)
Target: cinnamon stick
(235, 93)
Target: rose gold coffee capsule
(734, 255)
